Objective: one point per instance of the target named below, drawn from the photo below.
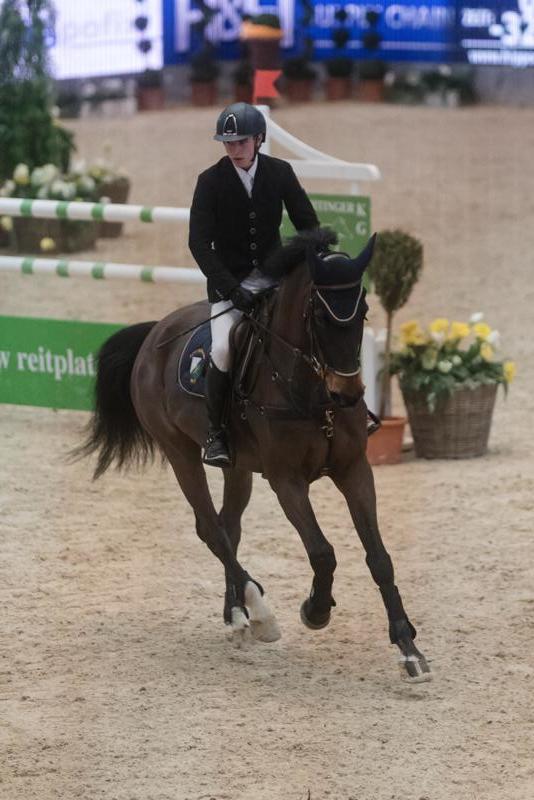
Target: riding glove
(243, 299)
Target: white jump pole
(100, 212)
(99, 270)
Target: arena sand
(117, 680)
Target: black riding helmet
(239, 121)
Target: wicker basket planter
(70, 236)
(460, 426)
(117, 191)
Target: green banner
(50, 362)
(349, 215)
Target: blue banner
(493, 32)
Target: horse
(297, 414)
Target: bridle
(314, 359)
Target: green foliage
(298, 68)
(28, 132)
(395, 268)
(340, 67)
(269, 20)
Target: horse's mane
(293, 252)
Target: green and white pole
(99, 270)
(100, 212)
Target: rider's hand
(243, 299)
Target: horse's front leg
(293, 496)
(357, 486)
(263, 624)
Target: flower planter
(385, 445)
(338, 88)
(264, 53)
(460, 426)
(299, 91)
(370, 90)
(150, 98)
(242, 93)
(117, 191)
(69, 236)
(203, 93)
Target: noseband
(316, 351)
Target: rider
(234, 225)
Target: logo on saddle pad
(230, 126)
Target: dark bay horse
(299, 417)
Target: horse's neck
(288, 315)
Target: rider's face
(241, 153)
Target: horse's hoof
(414, 669)
(239, 628)
(263, 624)
(265, 630)
(318, 622)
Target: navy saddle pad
(194, 361)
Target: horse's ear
(361, 262)
(339, 268)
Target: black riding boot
(217, 386)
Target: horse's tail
(114, 431)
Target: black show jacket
(230, 233)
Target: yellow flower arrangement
(448, 356)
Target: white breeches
(220, 327)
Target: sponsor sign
(348, 215)
(50, 362)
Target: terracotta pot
(242, 93)
(203, 94)
(117, 191)
(385, 446)
(264, 53)
(338, 88)
(150, 98)
(370, 91)
(299, 91)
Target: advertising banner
(113, 37)
(49, 362)
(348, 215)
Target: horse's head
(337, 307)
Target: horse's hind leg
(185, 459)
(237, 491)
(357, 486)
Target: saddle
(246, 346)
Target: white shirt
(255, 281)
(247, 175)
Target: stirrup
(216, 453)
(373, 423)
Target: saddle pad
(194, 361)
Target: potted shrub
(243, 76)
(299, 78)
(394, 269)
(149, 90)
(204, 74)
(29, 133)
(372, 71)
(340, 68)
(262, 34)
(448, 375)
(339, 81)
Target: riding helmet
(239, 121)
